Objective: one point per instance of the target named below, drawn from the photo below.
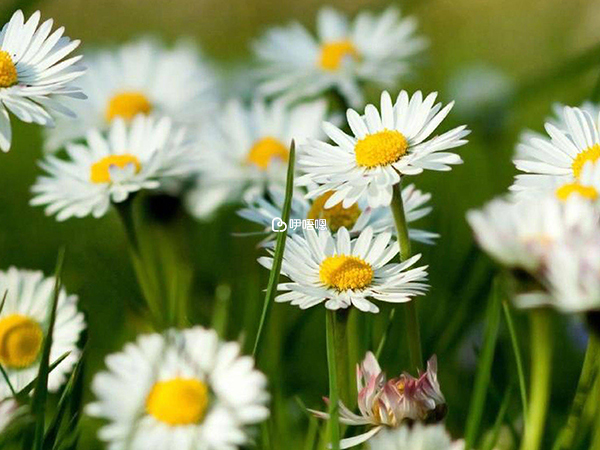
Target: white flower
(520, 235)
(35, 77)
(263, 209)
(141, 77)
(24, 323)
(384, 403)
(372, 48)
(415, 437)
(384, 147)
(184, 390)
(249, 147)
(344, 273)
(573, 140)
(140, 155)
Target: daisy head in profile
(140, 77)
(386, 404)
(35, 73)
(265, 208)
(179, 390)
(559, 158)
(24, 324)
(343, 56)
(342, 272)
(384, 146)
(134, 156)
(248, 146)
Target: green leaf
(518, 358)
(278, 256)
(23, 393)
(484, 368)
(40, 395)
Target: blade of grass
(10, 386)
(484, 368)
(23, 393)
(3, 300)
(384, 336)
(278, 256)
(40, 395)
(518, 357)
(51, 435)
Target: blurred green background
(526, 41)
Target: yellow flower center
(265, 150)
(380, 149)
(566, 190)
(333, 53)
(100, 172)
(591, 154)
(128, 105)
(8, 71)
(337, 216)
(345, 273)
(178, 401)
(20, 341)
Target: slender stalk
(596, 424)
(410, 308)
(589, 371)
(491, 442)
(334, 419)
(484, 367)
(384, 336)
(278, 256)
(518, 357)
(341, 354)
(541, 358)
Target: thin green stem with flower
(334, 416)
(412, 317)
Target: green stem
(334, 419)
(410, 308)
(518, 356)
(341, 354)
(589, 371)
(541, 359)
(596, 425)
(385, 334)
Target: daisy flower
(372, 48)
(265, 209)
(249, 147)
(384, 403)
(342, 273)
(182, 390)
(519, 235)
(383, 148)
(572, 142)
(24, 323)
(35, 77)
(139, 155)
(141, 77)
(415, 437)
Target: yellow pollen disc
(265, 150)
(566, 190)
(128, 105)
(8, 71)
(178, 401)
(333, 53)
(591, 154)
(337, 216)
(380, 149)
(345, 273)
(100, 172)
(20, 341)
